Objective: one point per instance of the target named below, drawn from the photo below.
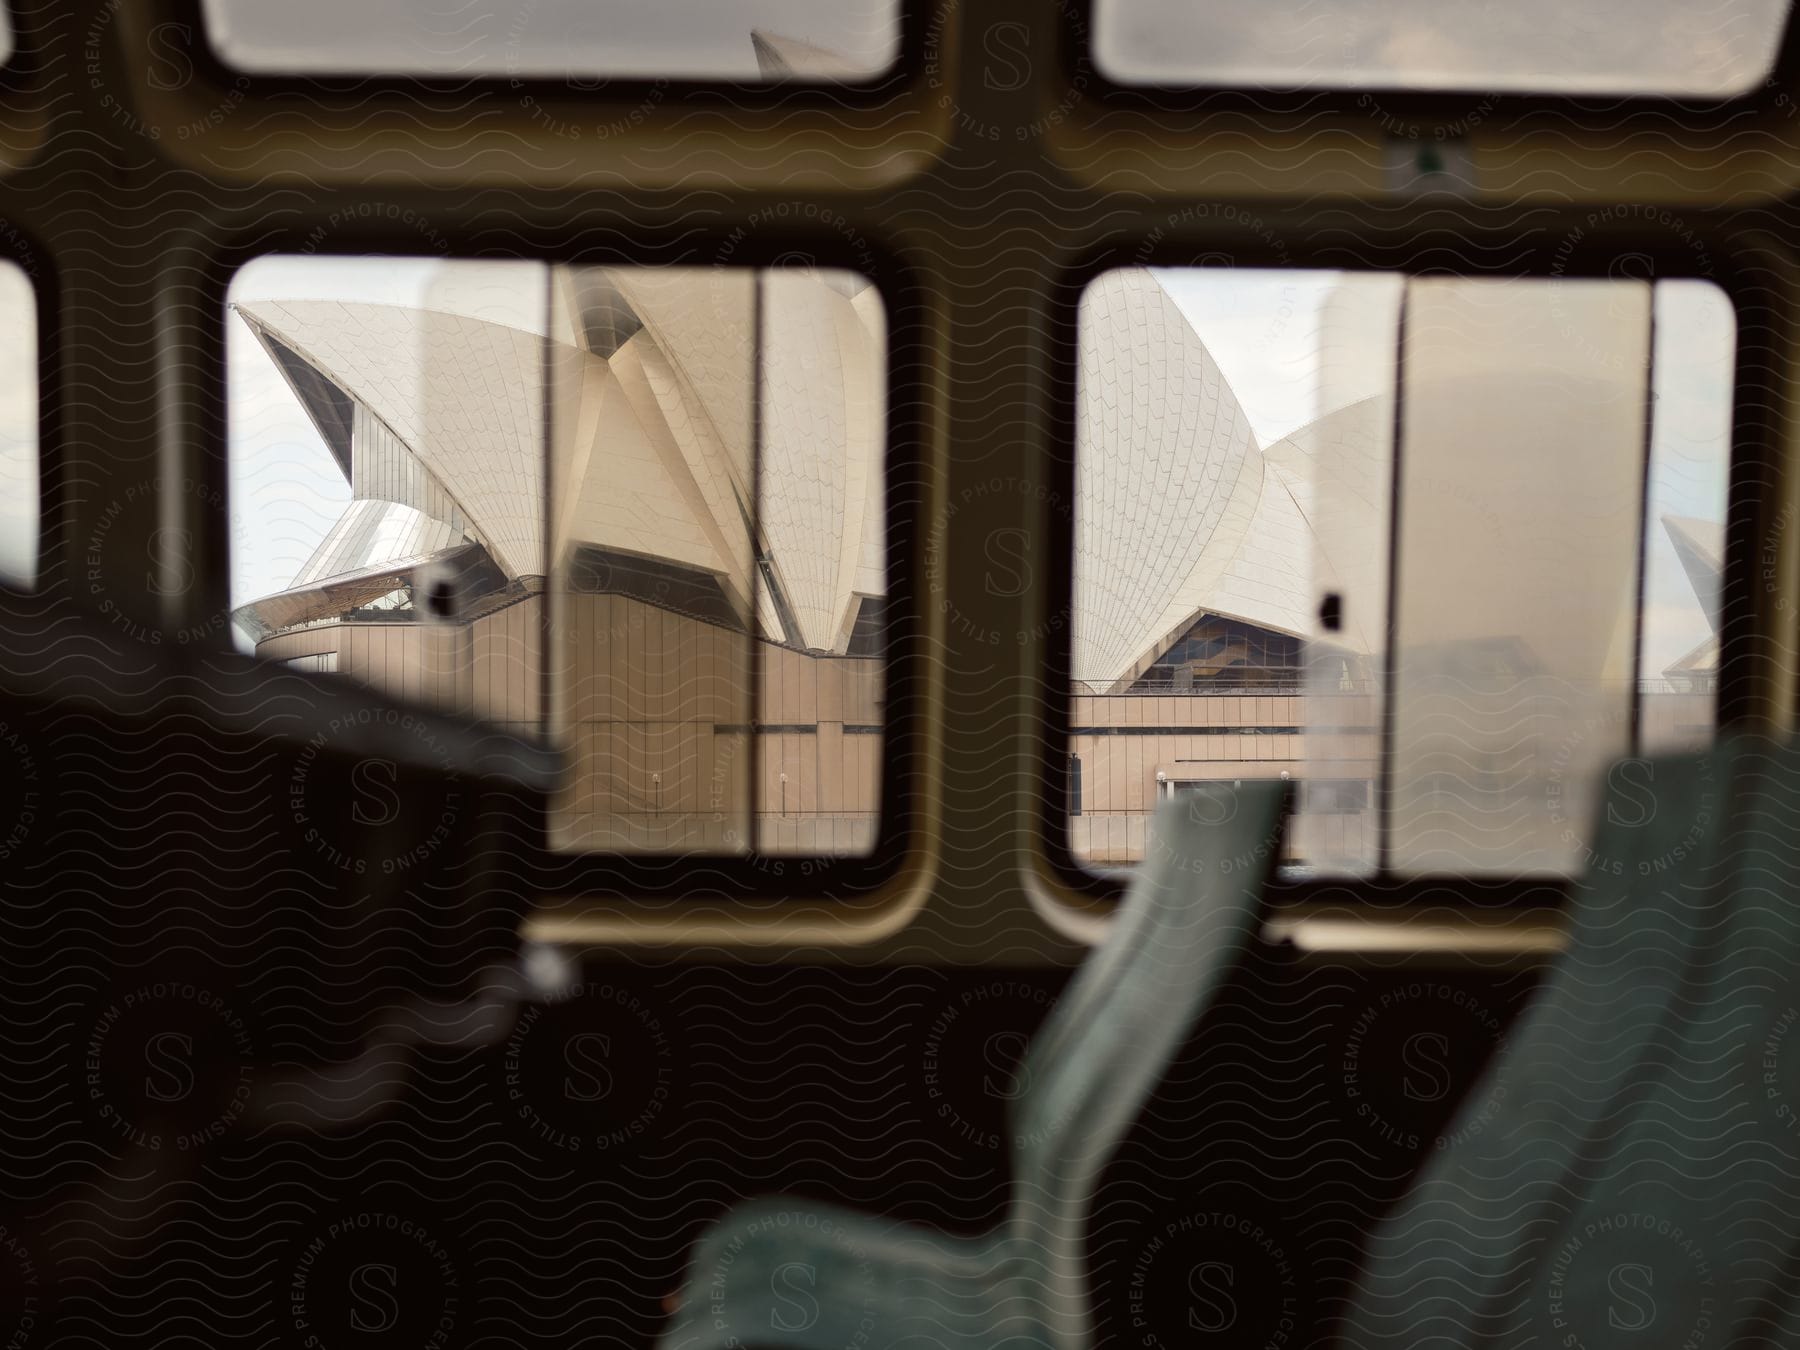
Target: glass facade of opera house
(658, 501)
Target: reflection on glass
(1714, 49)
(1346, 457)
(653, 479)
(1520, 489)
(578, 41)
(19, 497)
(680, 573)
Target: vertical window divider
(1643, 538)
(555, 604)
(753, 751)
(1384, 797)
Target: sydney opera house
(685, 532)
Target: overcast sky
(1601, 46)
(1683, 46)
(552, 38)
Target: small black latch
(440, 598)
(1331, 612)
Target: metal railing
(1699, 684)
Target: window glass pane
(386, 431)
(19, 495)
(1690, 456)
(1714, 48)
(1236, 462)
(1347, 458)
(652, 476)
(577, 40)
(714, 572)
(1193, 554)
(822, 580)
(1521, 466)
(670, 596)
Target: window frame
(1452, 106)
(37, 265)
(1755, 455)
(649, 878)
(871, 89)
(890, 160)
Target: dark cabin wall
(268, 1070)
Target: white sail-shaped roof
(632, 486)
(658, 436)
(779, 57)
(1700, 547)
(462, 394)
(822, 444)
(824, 369)
(1169, 485)
(1179, 513)
(1337, 471)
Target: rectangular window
(19, 492)
(1561, 446)
(657, 493)
(320, 663)
(1684, 558)
(578, 41)
(1611, 47)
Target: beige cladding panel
(836, 776)
(832, 687)
(727, 786)
(863, 692)
(305, 642)
(675, 679)
(407, 662)
(769, 692)
(628, 665)
(647, 690)
(506, 658)
(1136, 772)
(654, 668)
(684, 684)
(581, 691)
(664, 768)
